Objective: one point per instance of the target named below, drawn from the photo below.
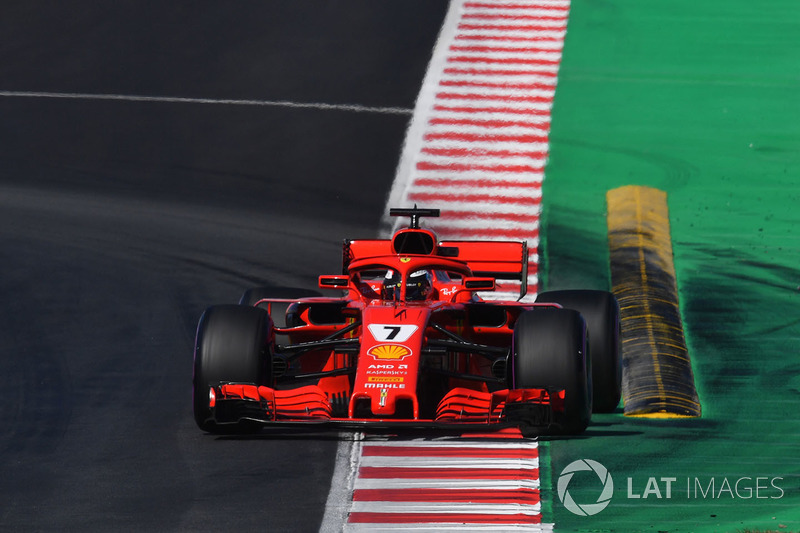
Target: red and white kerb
(478, 142)
(447, 486)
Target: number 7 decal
(392, 332)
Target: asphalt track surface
(122, 219)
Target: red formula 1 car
(409, 344)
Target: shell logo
(389, 351)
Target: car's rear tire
(233, 343)
(600, 310)
(549, 351)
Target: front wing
(461, 410)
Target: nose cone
(388, 364)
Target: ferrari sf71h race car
(408, 343)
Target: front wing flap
(461, 409)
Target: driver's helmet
(419, 285)
(391, 285)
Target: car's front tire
(549, 351)
(233, 344)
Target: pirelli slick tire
(233, 344)
(600, 310)
(549, 351)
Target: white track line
(343, 480)
(207, 101)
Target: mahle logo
(586, 509)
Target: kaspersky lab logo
(585, 509)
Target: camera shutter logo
(586, 509)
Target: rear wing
(504, 260)
(507, 260)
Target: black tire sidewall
(233, 344)
(549, 351)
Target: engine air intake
(413, 242)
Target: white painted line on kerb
(449, 528)
(438, 463)
(212, 101)
(471, 484)
(340, 497)
(446, 508)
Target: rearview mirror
(479, 284)
(333, 282)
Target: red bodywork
(370, 359)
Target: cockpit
(418, 286)
(412, 285)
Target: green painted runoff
(702, 100)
